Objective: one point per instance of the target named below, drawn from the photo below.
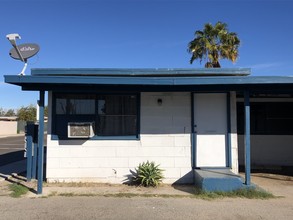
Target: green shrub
(17, 190)
(148, 174)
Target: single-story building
(8, 125)
(104, 122)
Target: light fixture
(160, 102)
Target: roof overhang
(138, 72)
(149, 80)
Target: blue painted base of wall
(217, 180)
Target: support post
(35, 156)
(29, 144)
(247, 137)
(40, 142)
(193, 138)
(229, 144)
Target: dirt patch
(279, 185)
(70, 206)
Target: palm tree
(214, 43)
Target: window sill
(94, 138)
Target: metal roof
(148, 80)
(161, 72)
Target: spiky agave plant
(148, 174)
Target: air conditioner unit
(80, 129)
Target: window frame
(263, 125)
(83, 118)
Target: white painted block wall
(165, 139)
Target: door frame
(228, 136)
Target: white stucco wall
(165, 139)
(268, 150)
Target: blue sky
(139, 34)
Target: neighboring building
(8, 125)
(104, 122)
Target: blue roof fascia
(114, 80)
(140, 72)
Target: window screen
(271, 118)
(113, 115)
(117, 115)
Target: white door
(210, 125)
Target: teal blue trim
(35, 81)
(54, 137)
(138, 115)
(152, 83)
(247, 137)
(41, 143)
(140, 71)
(228, 145)
(94, 138)
(211, 179)
(212, 167)
(131, 137)
(193, 136)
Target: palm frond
(214, 43)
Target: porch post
(247, 137)
(193, 138)
(40, 143)
(229, 145)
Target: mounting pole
(24, 68)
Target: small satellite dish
(22, 52)
(26, 50)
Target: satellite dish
(27, 51)
(23, 51)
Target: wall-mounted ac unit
(80, 129)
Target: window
(267, 118)
(75, 105)
(112, 115)
(116, 115)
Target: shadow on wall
(129, 178)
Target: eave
(148, 80)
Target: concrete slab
(217, 180)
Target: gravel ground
(101, 207)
